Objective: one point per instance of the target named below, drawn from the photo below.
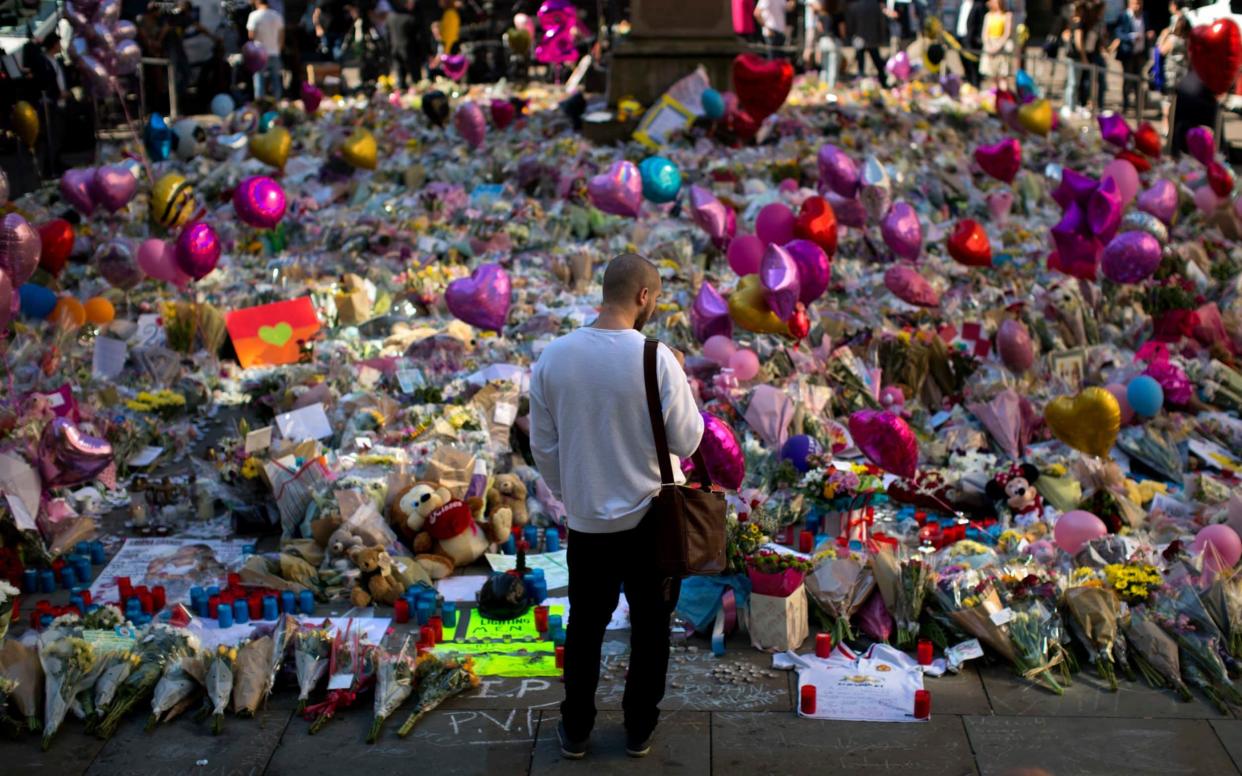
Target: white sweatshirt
(589, 428)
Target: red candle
(823, 645)
(145, 599)
(86, 597)
(141, 590)
(213, 606)
(255, 604)
(925, 652)
(541, 619)
(922, 704)
(436, 623)
(806, 541)
(234, 579)
(920, 518)
(122, 583)
(43, 605)
(560, 656)
(808, 698)
(427, 634)
(157, 597)
(401, 611)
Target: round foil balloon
(470, 123)
(69, 457)
(172, 201)
(1131, 257)
(254, 56)
(116, 263)
(886, 440)
(481, 300)
(722, 454)
(1074, 529)
(1013, 342)
(222, 105)
(198, 249)
(661, 179)
(259, 201)
(20, 246)
(902, 232)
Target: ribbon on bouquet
(337, 699)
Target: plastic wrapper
(394, 682)
(156, 646)
(1155, 653)
(839, 587)
(20, 664)
(1200, 643)
(251, 673)
(69, 664)
(219, 685)
(176, 688)
(438, 680)
(1094, 614)
(312, 650)
(903, 585)
(1223, 601)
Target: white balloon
(188, 138)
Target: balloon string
(129, 122)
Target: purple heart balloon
(838, 170)
(112, 187)
(709, 315)
(68, 457)
(850, 212)
(910, 287)
(1201, 143)
(814, 269)
(1074, 187)
(1104, 210)
(726, 465)
(619, 190)
(778, 272)
(481, 300)
(259, 201)
(1160, 200)
(1131, 257)
(470, 123)
(75, 187)
(951, 83)
(20, 247)
(116, 263)
(1079, 251)
(198, 249)
(1114, 129)
(886, 440)
(711, 215)
(902, 232)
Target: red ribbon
(337, 699)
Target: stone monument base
(644, 68)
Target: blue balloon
(37, 301)
(1145, 395)
(1025, 84)
(267, 120)
(798, 449)
(157, 137)
(661, 179)
(222, 105)
(713, 104)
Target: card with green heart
(272, 333)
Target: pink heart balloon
(75, 187)
(470, 123)
(1013, 343)
(999, 204)
(158, 260)
(481, 300)
(837, 170)
(1104, 210)
(503, 113)
(311, 97)
(779, 274)
(618, 191)
(711, 215)
(1001, 160)
(20, 246)
(454, 65)
(1114, 129)
(1160, 200)
(902, 232)
(910, 287)
(68, 457)
(814, 269)
(1201, 143)
(722, 454)
(709, 316)
(1131, 257)
(850, 212)
(886, 440)
(113, 187)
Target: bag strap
(656, 413)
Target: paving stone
(961, 693)
(1230, 734)
(1087, 696)
(1083, 746)
(682, 746)
(72, 752)
(782, 743)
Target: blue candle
(269, 607)
(76, 600)
(247, 549)
(448, 613)
(424, 610)
(68, 578)
(288, 603)
(82, 547)
(97, 553)
(47, 581)
(306, 602)
(531, 534)
(554, 622)
(241, 612)
(551, 540)
(558, 636)
(30, 581)
(45, 621)
(213, 591)
(509, 547)
(224, 617)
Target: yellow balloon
(68, 313)
(450, 28)
(272, 147)
(748, 307)
(99, 311)
(1088, 422)
(359, 149)
(1036, 117)
(26, 123)
(172, 201)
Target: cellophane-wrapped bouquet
(1155, 652)
(312, 650)
(436, 681)
(839, 586)
(157, 645)
(1182, 614)
(1031, 594)
(903, 584)
(219, 684)
(351, 672)
(69, 667)
(394, 683)
(1095, 618)
(178, 683)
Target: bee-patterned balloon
(172, 201)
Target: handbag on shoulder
(690, 532)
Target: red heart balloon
(1140, 162)
(1220, 179)
(1147, 140)
(1216, 54)
(799, 323)
(503, 113)
(761, 84)
(817, 222)
(743, 124)
(57, 238)
(968, 244)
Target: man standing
(592, 441)
(969, 33)
(1130, 48)
(267, 27)
(771, 15)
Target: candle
(213, 590)
(306, 602)
(30, 581)
(437, 624)
(424, 610)
(234, 579)
(541, 619)
(47, 581)
(270, 609)
(147, 602)
(510, 546)
(288, 602)
(158, 597)
(823, 645)
(213, 607)
(224, 617)
(241, 612)
(97, 553)
(255, 606)
(86, 596)
(551, 540)
(925, 652)
(808, 699)
(806, 541)
(401, 611)
(922, 704)
(427, 635)
(448, 611)
(560, 657)
(68, 578)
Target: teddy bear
(1016, 487)
(438, 528)
(376, 582)
(507, 492)
(342, 542)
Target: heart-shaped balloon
(56, 237)
(503, 113)
(68, 457)
(1136, 160)
(1078, 250)
(951, 83)
(112, 187)
(748, 307)
(1036, 117)
(116, 263)
(19, 248)
(850, 212)
(779, 274)
(272, 147)
(158, 259)
(470, 123)
(435, 106)
(722, 454)
(1114, 129)
(359, 149)
(837, 170)
(902, 232)
(762, 85)
(1104, 210)
(709, 315)
(259, 201)
(1216, 54)
(818, 223)
(481, 300)
(75, 187)
(1001, 160)
(1088, 422)
(1007, 109)
(311, 97)
(712, 215)
(1000, 202)
(969, 245)
(1013, 343)
(1074, 187)
(1201, 144)
(198, 249)
(454, 65)
(619, 190)
(814, 269)
(910, 287)
(1220, 179)
(887, 441)
(1160, 200)
(1147, 140)
(1131, 257)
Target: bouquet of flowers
(1223, 601)
(743, 540)
(394, 682)
(970, 600)
(159, 644)
(219, 684)
(116, 665)
(69, 664)
(777, 574)
(311, 650)
(839, 586)
(1155, 652)
(175, 689)
(351, 671)
(251, 670)
(1037, 645)
(1184, 617)
(903, 584)
(438, 680)
(1094, 618)
(1134, 582)
(282, 637)
(8, 594)
(21, 668)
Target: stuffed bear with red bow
(1016, 488)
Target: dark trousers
(970, 68)
(599, 565)
(876, 60)
(1132, 65)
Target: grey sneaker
(570, 750)
(638, 747)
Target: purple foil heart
(779, 274)
(1160, 200)
(618, 191)
(481, 300)
(709, 315)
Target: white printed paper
(305, 423)
(109, 357)
(146, 456)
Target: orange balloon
(68, 312)
(99, 311)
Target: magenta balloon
(198, 249)
(158, 260)
(112, 187)
(1074, 187)
(618, 191)
(837, 170)
(814, 269)
(108, 12)
(67, 457)
(1125, 175)
(709, 316)
(1104, 209)
(259, 201)
(1206, 200)
(254, 56)
(1201, 143)
(775, 223)
(778, 272)
(886, 440)
(1114, 129)
(558, 19)
(745, 254)
(726, 465)
(1074, 529)
(470, 123)
(1079, 250)
(1160, 200)
(1220, 546)
(20, 247)
(116, 263)
(1131, 257)
(75, 187)
(311, 97)
(902, 232)
(481, 300)
(128, 57)
(850, 212)
(710, 214)
(910, 287)
(1013, 343)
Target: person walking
(592, 442)
(266, 26)
(868, 30)
(969, 32)
(1130, 48)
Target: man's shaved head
(626, 276)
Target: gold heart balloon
(272, 147)
(359, 149)
(748, 307)
(1036, 117)
(1088, 422)
(172, 201)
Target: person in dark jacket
(868, 30)
(968, 29)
